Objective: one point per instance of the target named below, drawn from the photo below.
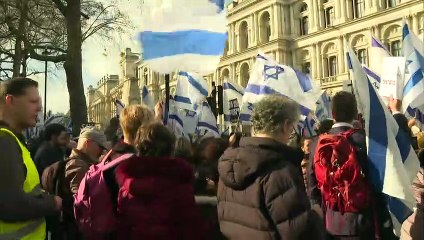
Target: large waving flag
(268, 77)
(147, 98)
(323, 110)
(207, 122)
(119, 107)
(393, 163)
(413, 90)
(188, 35)
(306, 126)
(173, 120)
(233, 95)
(191, 90)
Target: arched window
(265, 27)
(395, 48)
(362, 56)
(331, 62)
(244, 36)
(244, 74)
(304, 25)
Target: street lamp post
(45, 53)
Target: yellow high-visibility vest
(29, 230)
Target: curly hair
(132, 117)
(271, 113)
(154, 140)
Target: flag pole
(167, 93)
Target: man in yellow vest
(23, 205)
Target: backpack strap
(116, 161)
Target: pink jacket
(412, 228)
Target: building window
(146, 77)
(390, 3)
(362, 56)
(226, 48)
(395, 48)
(304, 25)
(358, 8)
(331, 66)
(306, 68)
(244, 36)
(329, 17)
(244, 74)
(265, 27)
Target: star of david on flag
(272, 72)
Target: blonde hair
(132, 118)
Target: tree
(58, 26)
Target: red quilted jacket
(156, 200)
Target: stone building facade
(310, 35)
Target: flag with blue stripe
(119, 107)
(323, 109)
(393, 163)
(233, 95)
(207, 122)
(191, 90)
(413, 90)
(183, 34)
(181, 122)
(147, 98)
(306, 126)
(269, 77)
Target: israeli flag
(207, 122)
(189, 35)
(306, 126)
(269, 78)
(378, 52)
(191, 90)
(147, 98)
(233, 95)
(323, 109)
(413, 90)
(182, 122)
(119, 107)
(393, 163)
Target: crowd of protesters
(264, 186)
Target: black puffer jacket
(261, 194)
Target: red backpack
(93, 208)
(341, 180)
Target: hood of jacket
(239, 167)
(151, 176)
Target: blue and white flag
(393, 163)
(233, 95)
(119, 107)
(413, 90)
(306, 126)
(378, 52)
(323, 110)
(269, 77)
(173, 120)
(147, 98)
(207, 122)
(188, 35)
(191, 90)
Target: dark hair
(238, 136)
(183, 149)
(154, 140)
(344, 107)
(111, 131)
(53, 129)
(15, 87)
(325, 126)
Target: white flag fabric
(413, 90)
(233, 95)
(147, 98)
(207, 122)
(393, 163)
(269, 77)
(188, 35)
(323, 109)
(191, 90)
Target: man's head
(275, 116)
(155, 140)
(344, 107)
(57, 135)
(306, 142)
(92, 142)
(19, 102)
(132, 118)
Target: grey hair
(271, 113)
